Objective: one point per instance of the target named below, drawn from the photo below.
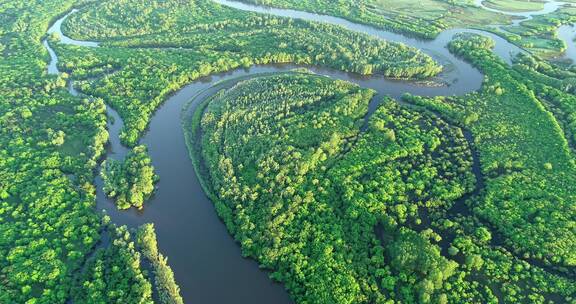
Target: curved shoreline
(503, 46)
(185, 216)
(548, 7)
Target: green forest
(428, 18)
(386, 211)
(425, 19)
(144, 61)
(129, 182)
(336, 192)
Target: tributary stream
(207, 262)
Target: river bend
(207, 261)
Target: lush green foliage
(131, 181)
(538, 35)
(521, 118)
(424, 18)
(113, 274)
(303, 189)
(49, 144)
(143, 60)
(168, 290)
(341, 213)
(427, 18)
(529, 190)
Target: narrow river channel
(206, 260)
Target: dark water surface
(207, 262)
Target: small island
(129, 182)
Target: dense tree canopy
(312, 195)
(433, 200)
(49, 145)
(131, 181)
(428, 18)
(424, 18)
(113, 274)
(168, 290)
(142, 60)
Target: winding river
(565, 32)
(549, 7)
(207, 261)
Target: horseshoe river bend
(208, 262)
